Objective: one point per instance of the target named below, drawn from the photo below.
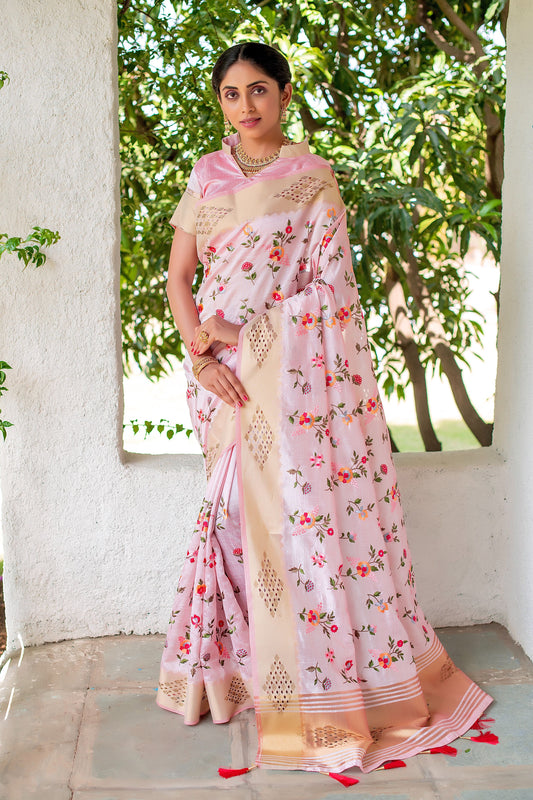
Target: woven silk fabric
(297, 596)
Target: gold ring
(204, 336)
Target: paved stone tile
(278, 791)
(18, 789)
(232, 793)
(497, 794)
(38, 741)
(126, 740)
(484, 649)
(60, 665)
(127, 660)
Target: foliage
(405, 99)
(29, 250)
(163, 426)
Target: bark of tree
(406, 342)
(477, 57)
(438, 340)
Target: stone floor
(78, 721)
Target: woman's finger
(233, 386)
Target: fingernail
(245, 398)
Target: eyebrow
(248, 86)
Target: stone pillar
(514, 386)
(93, 540)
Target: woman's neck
(261, 148)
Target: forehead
(244, 72)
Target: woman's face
(252, 101)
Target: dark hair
(265, 58)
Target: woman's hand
(214, 329)
(219, 379)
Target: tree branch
(462, 27)
(422, 19)
(406, 342)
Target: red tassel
(392, 765)
(344, 779)
(446, 749)
(486, 738)
(481, 724)
(232, 773)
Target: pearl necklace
(251, 166)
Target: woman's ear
(286, 94)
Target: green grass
(453, 434)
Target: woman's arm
(183, 261)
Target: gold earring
(283, 116)
(227, 126)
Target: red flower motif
(385, 660)
(357, 379)
(343, 313)
(277, 295)
(363, 568)
(306, 420)
(212, 249)
(201, 588)
(381, 553)
(276, 253)
(312, 617)
(237, 551)
(288, 229)
(400, 642)
(200, 307)
(383, 469)
(348, 665)
(364, 460)
(330, 531)
(334, 629)
(309, 320)
(345, 475)
(247, 266)
(220, 313)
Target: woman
(297, 596)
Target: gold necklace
(251, 166)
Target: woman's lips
(250, 123)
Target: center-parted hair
(264, 57)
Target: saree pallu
(298, 596)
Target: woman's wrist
(200, 363)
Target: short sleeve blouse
(184, 217)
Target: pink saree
(297, 596)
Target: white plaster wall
(94, 539)
(514, 387)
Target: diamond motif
(208, 217)
(448, 669)
(330, 736)
(260, 437)
(237, 692)
(278, 685)
(261, 334)
(303, 190)
(211, 457)
(269, 585)
(177, 690)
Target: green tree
(405, 99)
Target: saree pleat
(298, 593)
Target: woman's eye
(259, 89)
(230, 95)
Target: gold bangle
(198, 366)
